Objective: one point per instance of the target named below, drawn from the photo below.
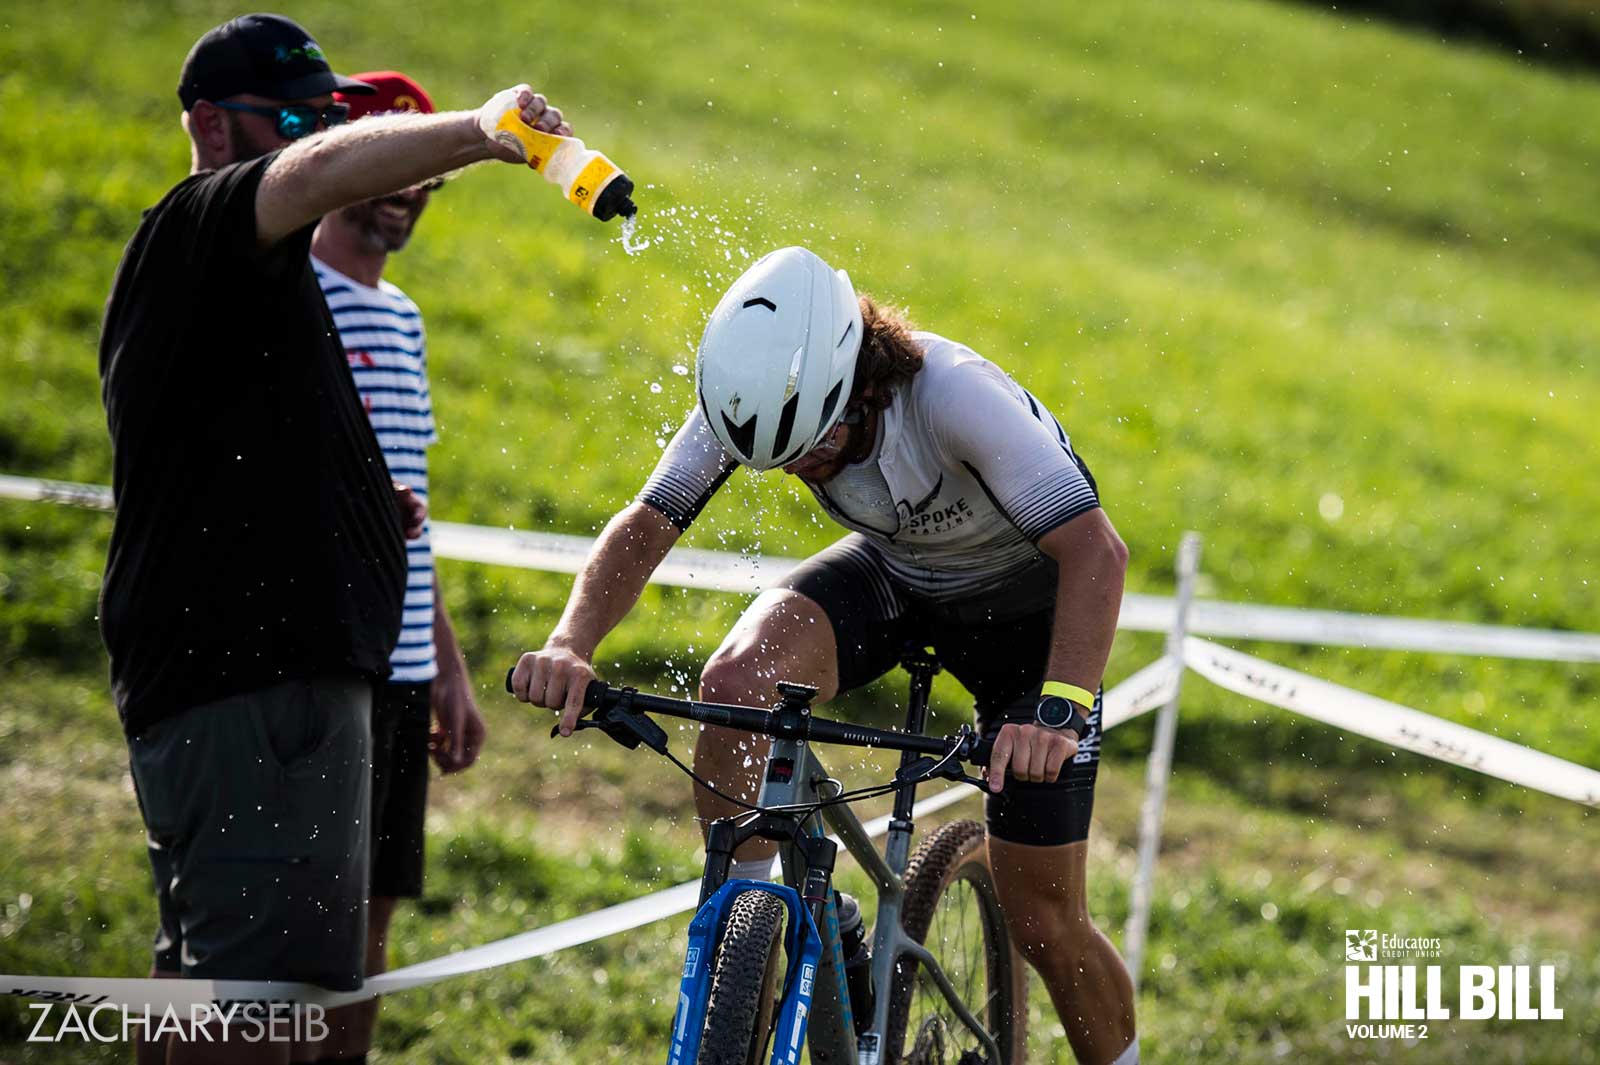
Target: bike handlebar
(789, 720)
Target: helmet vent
(760, 301)
(829, 410)
(846, 335)
(785, 425)
(743, 436)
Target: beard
(853, 449)
(246, 144)
(383, 224)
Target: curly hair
(889, 356)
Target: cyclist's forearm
(1093, 562)
(627, 552)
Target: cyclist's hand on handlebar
(556, 678)
(1031, 752)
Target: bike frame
(794, 775)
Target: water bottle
(857, 958)
(585, 176)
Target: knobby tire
(746, 975)
(950, 869)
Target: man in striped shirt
(384, 342)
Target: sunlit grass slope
(1323, 292)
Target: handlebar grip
(593, 695)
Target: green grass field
(1321, 291)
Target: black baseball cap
(268, 55)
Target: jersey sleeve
(691, 470)
(1014, 447)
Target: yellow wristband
(1082, 696)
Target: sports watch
(1062, 706)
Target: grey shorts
(256, 814)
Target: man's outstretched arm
(356, 162)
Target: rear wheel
(746, 982)
(953, 910)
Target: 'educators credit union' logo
(1361, 944)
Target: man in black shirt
(256, 573)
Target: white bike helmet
(778, 358)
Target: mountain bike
(946, 983)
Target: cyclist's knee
(733, 675)
(1042, 890)
(783, 635)
(1050, 935)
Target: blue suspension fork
(803, 943)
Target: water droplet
(630, 244)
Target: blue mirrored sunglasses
(294, 121)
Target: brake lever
(635, 726)
(624, 725)
(583, 723)
(958, 774)
(970, 745)
(923, 769)
(617, 730)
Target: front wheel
(746, 982)
(953, 910)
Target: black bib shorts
(998, 647)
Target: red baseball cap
(392, 91)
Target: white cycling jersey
(968, 472)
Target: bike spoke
(958, 936)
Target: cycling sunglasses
(294, 121)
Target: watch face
(1054, 711)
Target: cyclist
(976, 528)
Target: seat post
(923, 665)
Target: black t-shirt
(257, 538)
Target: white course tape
(1140, 693)
(684, 567)
(1279, 624)
(1148, 687)
(139, 995)
(69, 493)
(1391, 723)
(722, 571)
